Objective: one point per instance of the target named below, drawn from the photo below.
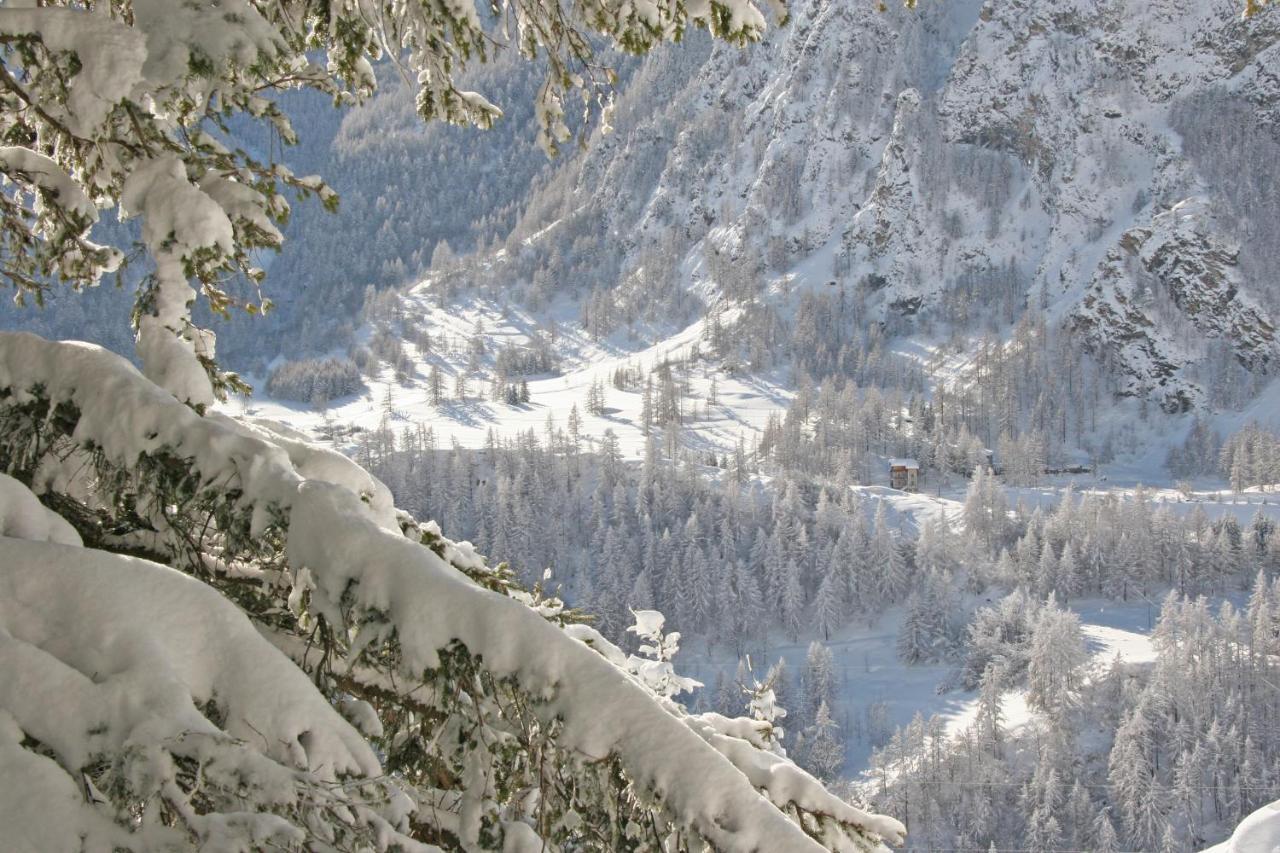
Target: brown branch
(10, 83)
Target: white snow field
(745, 402)
(875, 689)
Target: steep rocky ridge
(1023, 152)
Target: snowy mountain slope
(952, 166)
(944, 168)
(1102, 98)
(758, 156)
(742, 404)
(946, 172)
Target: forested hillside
(889, 205)
(1065, 739)
(712, 426)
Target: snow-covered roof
(903, 463)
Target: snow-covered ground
(1257, 833)
(743, 402)
(1215, 500)
(872, 680)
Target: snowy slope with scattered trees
(944, 171)
(1019, 212)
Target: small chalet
(904, 474)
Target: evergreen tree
(828, 605)
(1132, 779)
(792, 601)
(1057, 658)
(917, 642)
(985, 510)
(819, 679)
(824, 746)
(886, 560)
(1105, 839)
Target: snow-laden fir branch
(483, 721)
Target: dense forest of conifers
(736, 559)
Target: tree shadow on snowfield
(470, 413)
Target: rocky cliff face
(1141, 251)
(950, 166)
(1161, 293)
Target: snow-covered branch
(481, 701)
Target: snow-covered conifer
(828, 606)
(791, 602)
(824, 745)
(1056, 660)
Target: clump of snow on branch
(655, 669)
(762, 705)
(22, 516)
(109, 657)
